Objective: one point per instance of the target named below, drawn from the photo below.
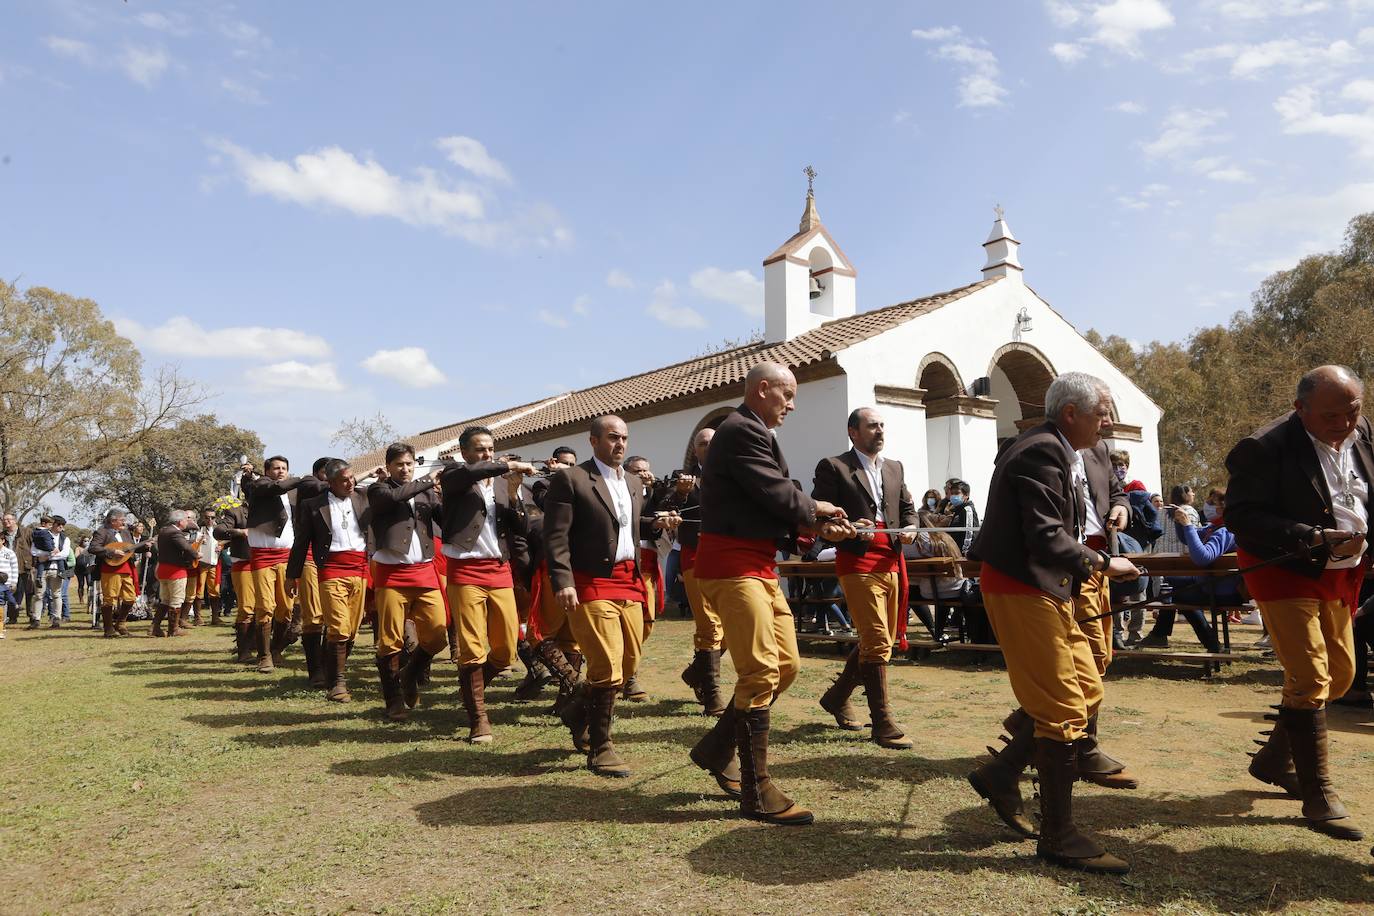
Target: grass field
(154, 775)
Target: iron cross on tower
(810, 174)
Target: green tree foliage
(72, 394)
(1225, 381)
(186, 466)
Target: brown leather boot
(1321, 806)
(886, 732)
(760, 797)
(266, 664)
(576, 715)
(561, 667)
(537, 674)
(280, 640)
(176, 621)
(716, 753)
(1097, 767)
(453, 640)
(336, 656)
(216, 610)
(122, 615)
(389, 673)
(694, 673)
(472, 686)
(601, 756)
(159, 612)
(632, 690)
(713, 699)
(107, 620)
(1061, 842)
(836, 700)
(999, 780)
(247, 635)
(411, 674)
(314, 664)
(1273, 762)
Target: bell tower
(808, 280)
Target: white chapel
(954, 374)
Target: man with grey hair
(176, 555)
(1035, 560)
(1299, 499)
(114, 546)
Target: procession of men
(491, 559)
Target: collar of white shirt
(875, 463)
(609, 472)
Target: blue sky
(436, 209)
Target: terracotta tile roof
(696, 376)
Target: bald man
(1300, 488)
(749, 503)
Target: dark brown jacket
(746, 490)
(23, 548)
(105, 535)
(1033, 518)
(465, 508)
(265, 511)
(1104, 486)
(229, 521)
(842, 480)
(394, 521)
(315, 532)
(581, 530)
(175, 549)
(1277, 492)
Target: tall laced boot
(999, 780)
(176, 621)
(886, 732)
(1061, 842)
(472, 686)
(122, 615)
(216, 611)
(537, 674)
(336, 662)
(1098, 767)
(248, 633)
(266, 665)
(389, 673)
(760, 797)
(713, 699)
(836, 700)
(281, 638)
(602, 758)
(159, 612)
(314, 668)
(1273, 762)
(695, 673)
(567, 675)
(1321, 806)
(576, 715)
(107, 620)
(716, 753)
(632, 690)
(410, 675)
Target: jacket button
(1064, 581)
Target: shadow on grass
(549, 804)
(465, 760)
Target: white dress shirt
(209, 547)
(873, 467)
(343, 523)
(486, 547)
(623, 505)
(1349, 492)
(282, 542)
(1092, 521)
(412, 556)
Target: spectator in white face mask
(1214, 506)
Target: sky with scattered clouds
(434, 210)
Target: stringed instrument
(117, 553)
(195, 545)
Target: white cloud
(900, 117)
(1365, 36)
(581, 305)
(180, 336)
(172, 24)
(740, 288)
(1277, 231)
(244, 33)
(1219, 168)
(1062, 14)
(294, 375)
(70, 47)
(619, 279)
(1068, 52)
(144, 65)
(1147, 197)
(1359, 91)
(1183, 130)
(410, 366)
(663, 306)
(1298, 109)
(333, 179)
(551, 319)
(470, 154)
(979, 85)
(1129, 107)
(1251, 61)
(1261, 10)
(242, 91)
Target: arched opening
(711, 421)
(1019, 375)
(821, 283)
(938, 377)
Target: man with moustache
(272, 501)
(405, 515)
(335, 529)
(175, 557)
(204, 579)
(117, 588)
(749, 503)
(873, 490)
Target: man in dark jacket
(271, 500)
(1299, 493)
(175, 557)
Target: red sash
(720, 556)
(486, 572)
(344, 564)
(995, 582)
(648, 565)
(687, 557)
(127, 569)
(534, 628)
(1274, 583)
(263, 557)
(881, 557)
(624, 584)
(170, 571)
(406, 575)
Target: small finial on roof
(999, 211)
(810, 218)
